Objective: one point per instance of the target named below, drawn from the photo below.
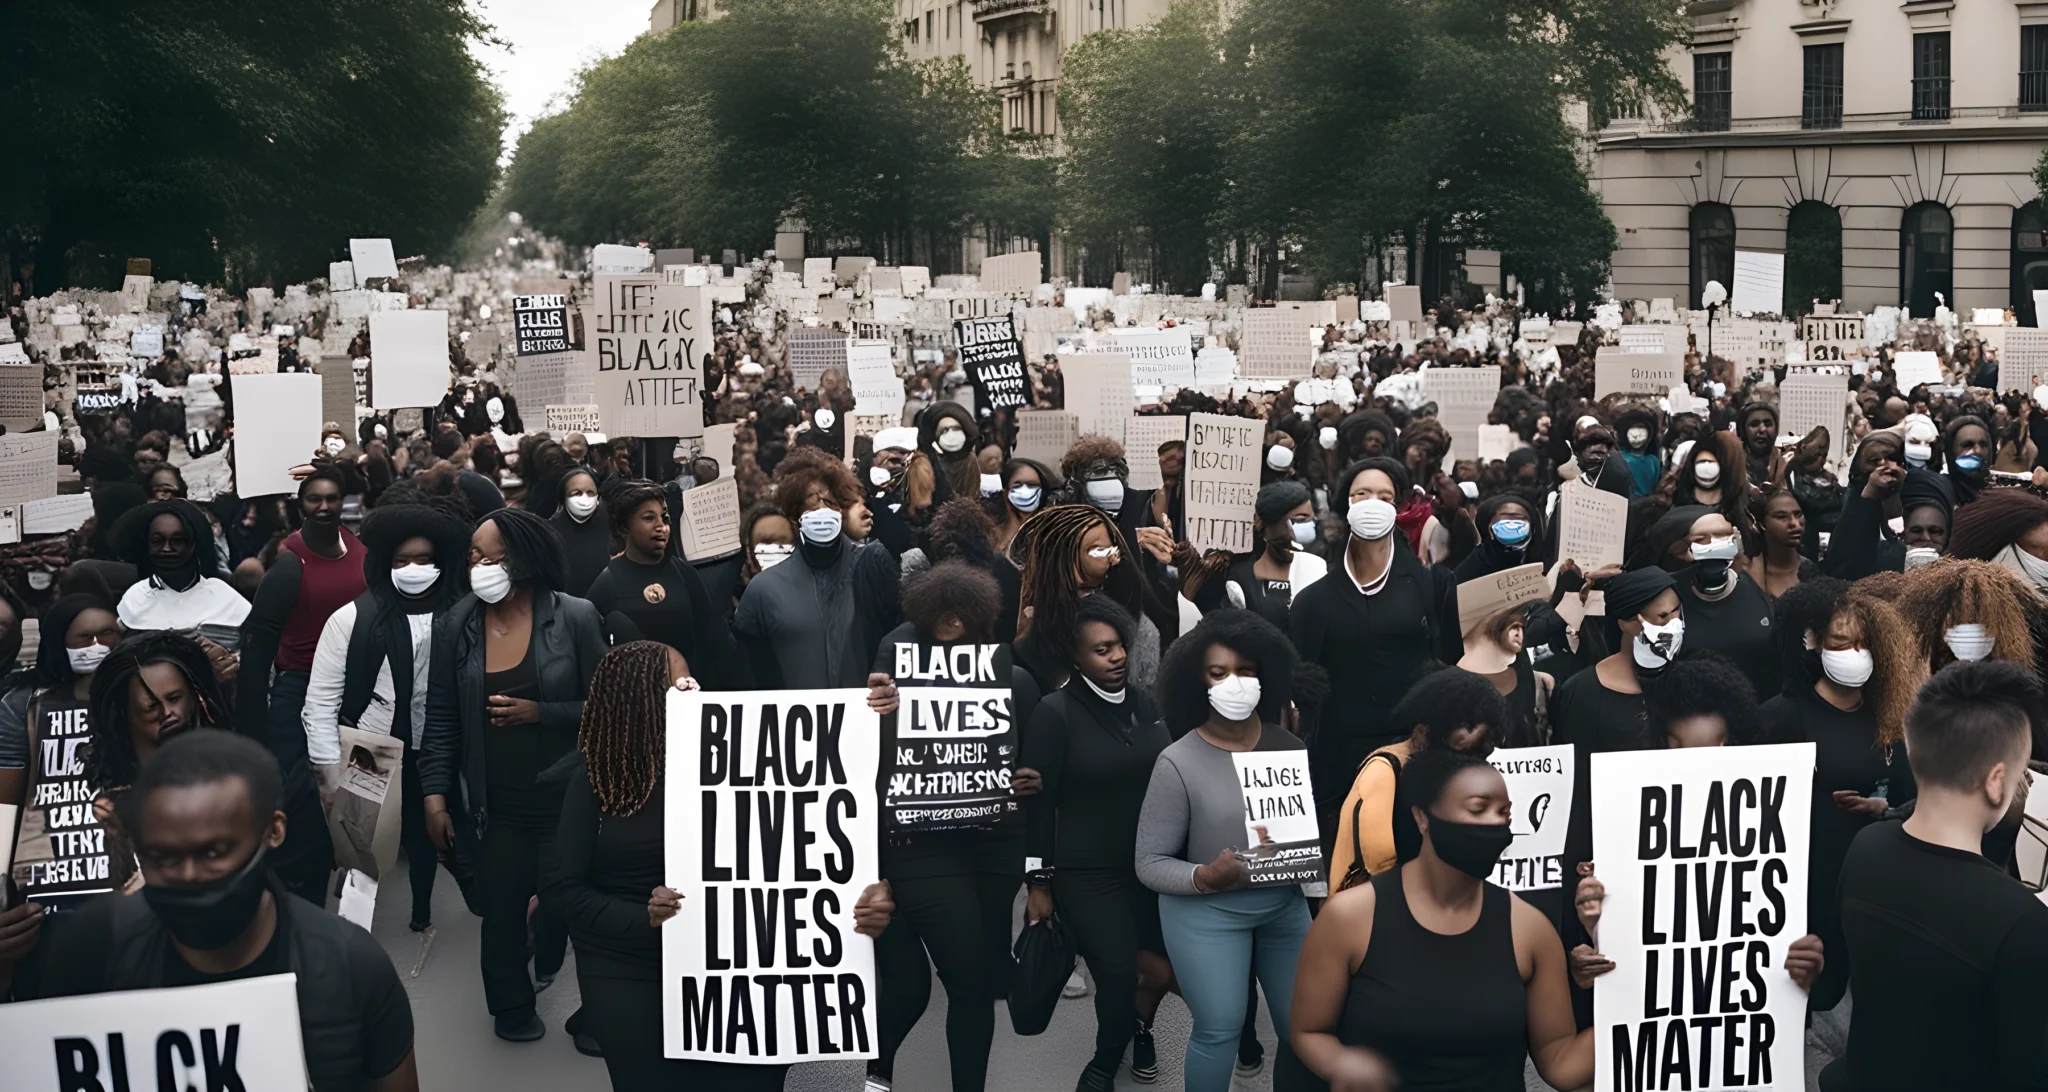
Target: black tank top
(1447, 1012)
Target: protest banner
(1483, 597)
(1809, 400)
(812, 351)
(612, 259)
(1646, 374)
(241, 1035)
(540, 324)
(60, 852)
(1098, 392)
(364, 818)
(1404, 303)
(1221, 480)
(1143, 437)
(1016, 274)
(68, 512)
(1045, 435)
(2023, 365)
(1347, 309)
(1911, 369)
(1704, 855)
(1831, 338)
(1159, 358)
(1282, 847)
(146, 342)
(1592, 524)
(1274, 344)
(953, 742)
(408, 358)
(277, 427)
(1540, 786)
(761, 965)
(1464, 398)
(871, 372)
(847, 272)
(370, 258)
(993, 358)
(1759, 286)
(1652, 339)
(563, 420)
(28, 467)
(21, 393)
(647, 346)
(711, 520)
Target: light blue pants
(1213, 940)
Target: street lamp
(1713, 295)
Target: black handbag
(1044, 959)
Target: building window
(1926, 263)
(1813, 255)
(2034, 68)
(1822, 105)
(930, 19)
(1930, 77)
(1712, 92)
(1713, 247)
(910, 30)
(2029, 259)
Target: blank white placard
(277, 426)
(408, 359)
(372, 258)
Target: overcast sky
(549, 40)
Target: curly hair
(1704, 684)
(1184, 693)
(111, 761)
(1953, 591)
(622, 733)
(1086, 450)
(805, 467)
(1996, 519)
(1446, 700)
(961, 528)
(1811, 606)
(389, 525)
(1099, 608)
(1048, 548)
(958, 590)
(1422, 780)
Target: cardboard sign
(952, 744)
(1489, 595)
(240, 1035)
(1404, 303)
(146, 342)
(1464, 398)
(993, 357)
(1647, 374)
(812, 351)
(1017, 274)
(1540, 786)
(1098, 392)
(1914, 368)
(1274, 344)
(370, 258)
(28, 467)
(1704, 854)
(1159, 358)
(1591, 526)
(1045, 435)
(1496, 442)
(1759, 283)
(647, 346)
(21, 394)
(809, 760)
(277, 426)
(66, 513)
(408, 358)
(540, 324)
(1221, 480)
(1832, 338)
(871, 372)
(1143, 437)
(2023, 363)
(563, 420)
(1809, 400)
(341, 276)
(364, 819)
(711, 519)
(611, 259)
(1283, 848)
(59, 856)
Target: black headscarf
(1668, 530)
(1492, 557)
(1926, 489)
(53, 663)
(392, 524)
(1630, 592)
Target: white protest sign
(363, 819)
(813, 351)
(1652, 339)
(277, 426)
(1282, 845)
(1540, 786)
(1159, 358)
(1704, 855)
(1274, 344)
(1464, 398)
(341, 276)
(147, 342)
(646, 345)
(370, 258)
(1809, 400)
(563, 420)
(408, 359)
(241, 1035)
(1915, 368)
(1759, 283)
(2023, 363)
(1045, 435)
(61, 514)
(1648, 374)
(711, 519)
(28, 467)
(1221, 480)
(135, 292)
(1143, 437)
(1404, 302)
(871, 372)
(613, 259)
(809, 758)
(1013, 274)
(1496, 442)
(1832, 338)
(1098, 392)
(1591, 526)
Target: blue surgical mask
(1511, 532)
(1024, 498)
(1969, 464)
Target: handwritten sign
(1647, 374)
(540, 324)
(952, 744)
(1045, 435)
(647, 345)
(1591, 526)
(1098, 392)
(1159, 358)
(1143, 436)
(1222, 480)
(1274, 344)
(1282, 845)
(993, 358)
(1540, 786)
(1464, 398)
(711, 520)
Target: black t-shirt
(653, 598)
(1738, 627)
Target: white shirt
(329, 676)
(148, 604)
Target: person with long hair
(1069, 552)
(1028, 486)
(579, 518)
(2008, 527)
(1778, 565)
(507, 676)
(78, 632)
(372, 668)
(1266, 581)
(650, 592)
(1971, 610)
(179, 584)
(1966, 455)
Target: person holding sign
(1266, 582)
(647, 592)
(1226, 685)
(61, 677)
(207, 813)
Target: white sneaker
(1076, 986)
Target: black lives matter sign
(60, 858)
(240, 1036)
(540, 324)
(993, 357)
(1704, 855)
(952, 743)
(772, 830)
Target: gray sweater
(1194, 809)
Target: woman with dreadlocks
(507, 674)
(1850, 674)
(1068, 553)
(606, 870)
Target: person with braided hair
(1069, 552)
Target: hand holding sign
(662, 905)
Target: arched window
(2029, 258)
(1926, 257)
(1713, 247)
(1813, 256)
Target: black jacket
(569, 641)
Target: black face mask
(181, 578)
(1471, 848)
(1711, 574)
(209, 916)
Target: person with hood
(1759, 426)
(902, 487)
(1863, 542)
(1601, 708)
(1966, 450)
(371, 668)
(60, 678)
(947, 435)
(1638, 427)
(1927, 501)
(1725, 610)
(580, 519)
(178, 585)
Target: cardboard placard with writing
(28, 467)
(563, 420)
(1652, 339)
(1159, 358)
(21, 394)
(1914, 368)
(2023, 363)
(711, 520)
(1759, 286)
(1142, 439)
(240, 1035)
(1045, 435)
(1809, 400)
(1464, 398)
(540, 324)
(1496, 442)
(1016, 274)
(1221, 480)
(1540, 783)
(59, 856)
(1282, 845)
(993, 357)
(813, 351)
(364, 820)
(1274, 343)
(1592, 525)
(1488, 595)
(1098, 392)
(1647, 374)
(871, 372)
(647, 345)
(1831, 338)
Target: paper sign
(847, 272)
(1404, 302)
(21, 394)
(952, 744)
(563, 420)
(1704, 855)
(871, 372)
(1098, 392)
(818, 274)
(28, 467)
(647, 345)
(1159, 358)
(337, 392)
(993, 358)
(1759, 283)
(1143, 437)
(1274, 344)
(611, 259)
(59, 856)
(1915, 368)
(1566, 333)
(241, 1035)
(277, 426)
(711, 520)
(1652, 339)
(1489, 595)
(1045, 435)
(1832, 338)
(370, 258)
(364, 818)
(358, 904)
(1282, 848)
(135, 292)
(540, 324)
(1016, 274)
(1809, 400)
(726, 997)
(1540, 786)
(147, 342)
(67, 513)
(1221, 479)
(341, 276)
(2023, 363)
(812, 351)
(1496, 442)
(1591, 526)
(1464, 398)
(409, 358)
(1647, 374)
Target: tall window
(1713, 247)
(930, 20)
(1930, 76)
(2029, 258)
(1822, 106)
(1926, 262)
(2034, 68)
(1813, 255)
(1712, 91)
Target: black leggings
(1112, 916)
(509, 874)
(625, 1016)
(963, 921)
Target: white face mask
(1970, 641)
(1921, 555)
(415, 579)
(1279, 457)
(1304, 531)
(334, 444)
(495, 410)
(85, 661)
(1105, 493)
(1720, 549)
(39, 580)
(2027, 565)
(1235, 698)
(1024, 498)
(770, 554)
(991, 484)
(1327, 437)
(1637, 437)
(1371, 519)
(581, 506)
(879, 476)
(1918, 454)
(1657, 646)
(383, 433)
(491, 583)
(820, 526)
(1706, 473)
(952, 440)
(1848, 667)
(824, 417)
